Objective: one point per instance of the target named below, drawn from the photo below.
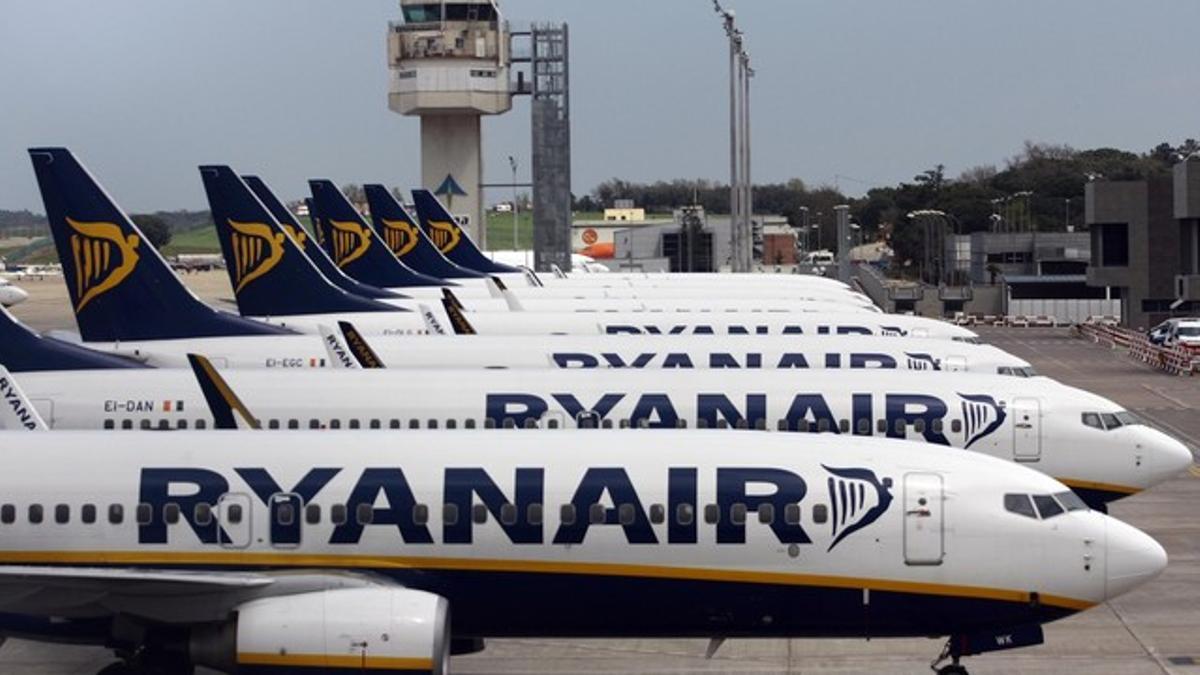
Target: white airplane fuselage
(1035, 421)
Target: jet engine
(380, 630)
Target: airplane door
(233, 517)
(1027, 429)
(955, 364)
(923, 538)
(588, 419)
(285, 520)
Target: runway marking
(1165, 395)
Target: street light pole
(513, 163)
(740, 197)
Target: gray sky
(875, 91)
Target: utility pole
(740, 197)
(513, 163)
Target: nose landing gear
(953, 654)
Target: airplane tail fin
(432, 325)
(227, 409)
(458, 319)
(450, 238)
(312, 249)
(359, 347)
(120, 287)
(407, 241)
(355, 248)
(17, 412)
(23, 350)
(270, 275)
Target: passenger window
(201, 424)
(533, 514)
(273, 424)
(203, 513)
(937, 426)
(145, 513)
(1047, 506)
(881, 426)
(126, 424)
(766, 513)
(781, 425)
(596, 514)
(314, 424)
(8, 514)
(566, 514)
(626, 514)
(1020, 505)
(394, 424)
(791, 514)
(116, 514)
(712, 514)
(171, 513)
(489, 423)
(234, 514)
(145, 424)
(164, 424)
(843, 426)
(312, 514)
(420, 514)
(823, 425)
(293, 424)
(62, 514)
(364, 514)
(450, 514)
(510, 423)
(685, 514)
(530, 423)
(335, 424)
(1110, 421)
(376, 424)
(956, 426)
(285, 514)
(469, 423)
(864, 426)
(451, 424)
(658, 513)
(1091, 419)
(737, 514)
(35, 514)
(899, 426)
(508, 514)
(433, 424)
(110, 424)
(337, 514)
(354, 424)
(741, 424)
(181, 424)
(820, 513)
(625, 423)
(606, 423)
(479, 514)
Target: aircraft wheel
(953, 669)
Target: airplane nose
(1133, 558)
(1169, 457)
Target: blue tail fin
(310, 247)
(355, 247)
(120, 287)
(450, 239)
(270, 275)
(22, 350)
(407, 240)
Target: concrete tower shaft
(449, 64)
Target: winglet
(558, 273)
(457, 318)
(17, 412)
(363, 354)
(503, 291)
(339, 354)
(432, 325)
(531, 277)
(227, 409)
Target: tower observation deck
(449, 64)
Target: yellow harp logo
(400, 235)
(445, 235)
(297, 234)
(350, 241)
(103, 256)
(256, 250)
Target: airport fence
(1176, 360)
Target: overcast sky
(850, 91)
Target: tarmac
(1154, 629)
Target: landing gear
(953, 655)
(119, 668)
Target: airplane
(23, 350)
(1090, 443)
(10, 294)
(451, 239)
(260, 551)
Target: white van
(1184, 332)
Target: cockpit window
(1025, 371)
(1019, 504)
(968, 340)
(1071, 501)
(1127, 418)
(1092, 419)
(1047, 506)
(1110, 420)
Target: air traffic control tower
(449, 64)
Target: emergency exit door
(923, 529)
(1027, 429)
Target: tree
(157, 232)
